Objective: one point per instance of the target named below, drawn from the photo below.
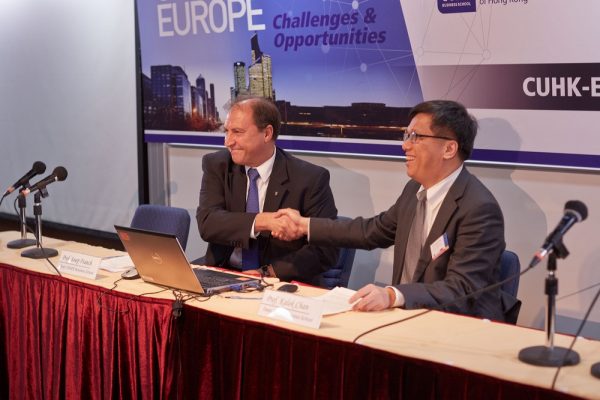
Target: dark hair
(450, 118)
(264, 112)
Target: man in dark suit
(283, 181)
(448, 249)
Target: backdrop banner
(345, 75)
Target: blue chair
(164, 219)
(509, 266)
(339, 274)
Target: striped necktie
(416, 238)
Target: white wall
(532, 202)
(68, 97)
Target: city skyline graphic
(333, 69)
(172, 102)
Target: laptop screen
(159, 259)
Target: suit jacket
(473, 222)
(225, 225)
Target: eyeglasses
(414, 136)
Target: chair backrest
(164, 219)
(339, 274)
(510, 265)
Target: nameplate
(305, 311)
(79, 264)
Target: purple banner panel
(572, 86)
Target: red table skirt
(65, 339)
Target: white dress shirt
(435, 196)
(262, 183)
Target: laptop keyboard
(209, 278)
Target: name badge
(439, 246)
(79, 264)
(305, 311)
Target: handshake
(285, 224)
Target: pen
(241, 298)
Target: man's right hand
(280, 225)
(300, 225)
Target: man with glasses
(446, 227)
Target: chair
(509, 266)
(339, 274)
(164, 219)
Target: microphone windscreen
(578, 208)
(39, 167)
(60, 173)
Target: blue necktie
(250, 256)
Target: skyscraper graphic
(239, 77)
(197, 103)
(212, 109)
(259, 72)
(171, 90)
(201, 87)
(256, 53)
(147, 93)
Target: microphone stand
(39, 251)
(23, 242)
(550, 355)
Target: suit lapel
(405, 217)
(278, 183)
(447, 210)
(237, 176)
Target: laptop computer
(159, 259)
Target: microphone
(575, 211)
(38, 168)
(59, 174)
